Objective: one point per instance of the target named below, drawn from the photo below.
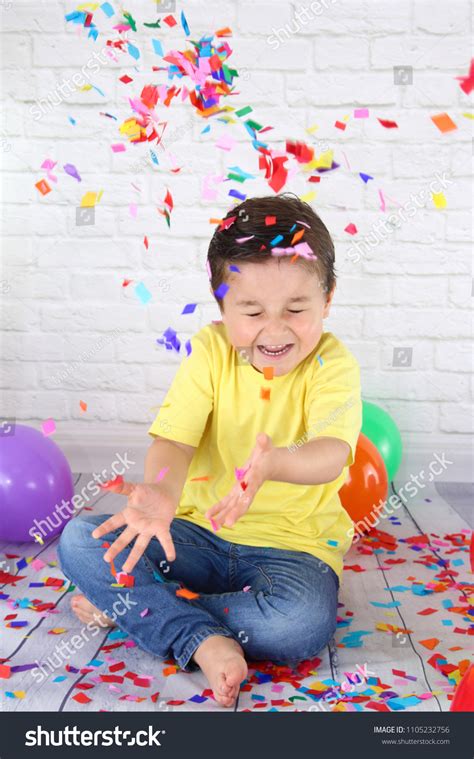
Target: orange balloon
(365, 490)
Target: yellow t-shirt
(214, 404)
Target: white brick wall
(61, 284)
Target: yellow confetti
(89, 200)
(308, 197)
(439, 200)
(57, 630)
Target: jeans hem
(184, 660)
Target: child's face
(270, 320)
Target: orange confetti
(430, 643)
(83, 405)
(268, 372)
(185, 593)
(443, 122)
(43, 187)
(297, 236)
(265, 393)
(201, 479)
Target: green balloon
(382, 431)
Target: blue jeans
(289, 613)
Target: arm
(168, 453)
(317, 461)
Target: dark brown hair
(250, 222)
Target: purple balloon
(35, 477)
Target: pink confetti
(213, 525)
(133, 210)
(119, 147)
(351, 229)
(161, 473)
(382, 201)
(247, 588)
(361, 113)
(48, 427)
(145, 612)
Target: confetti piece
(162, 473)
(467, 82)
(48, 427)
(351, 229)
(388, 124)
(125, 79)
(189, 308)
(443, 122)
(188, 594)
(221, 290)
(145, 612)
(430, 643)
(184, 24)
(123, 578)
(5, 671)
(83, 406)
(118, 480)
(157, 47)
(214, 525)
(268, 372)
(439, 200)
(365, 177)
(143, 293)
(361, 113)
(246, 588)
(118, 147)
(265, 393)
(70, 169)
(43, 187)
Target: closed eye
(290, 310)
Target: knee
(299, 633)
(75, 537)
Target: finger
(164, 536)
(122, 542)
(136, 553)
(113, 523)
(217, 507)
(119, 486)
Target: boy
(255, 434)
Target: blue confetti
(107, 9)
(143, 293)
(189, 308)
(221, 290)
(276, 240)
(157, 47)
(184, 24)
(134, 51)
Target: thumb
(263, 440)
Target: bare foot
(87, 612)
(222, 661)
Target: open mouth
(275, 351)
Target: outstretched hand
(256, 471)
(148, 513)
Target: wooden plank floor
(376, 651)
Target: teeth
(274, 350)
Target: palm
(149, 513)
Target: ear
(327, 305)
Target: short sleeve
(186, 407)
(333, 403)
